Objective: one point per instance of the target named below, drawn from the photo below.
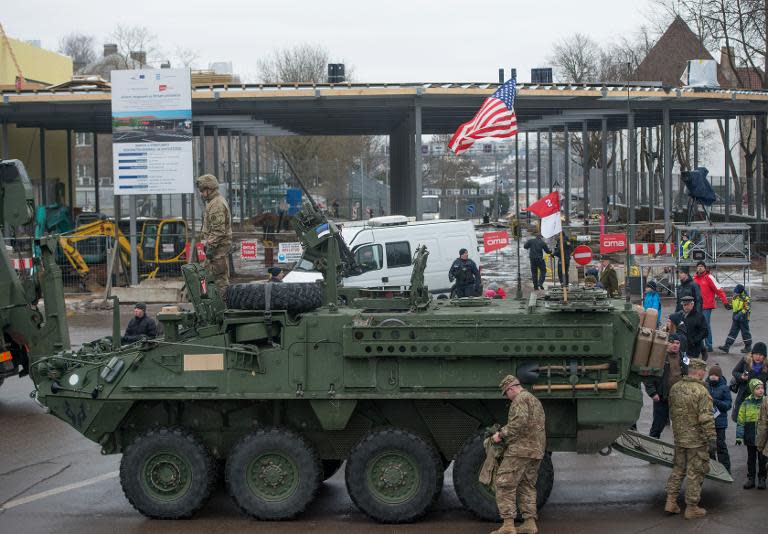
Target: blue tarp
(698, 186)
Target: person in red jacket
(710, 289)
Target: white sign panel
(289, 252)
(152, 131)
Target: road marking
(55, 491)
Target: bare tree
(576, 59)
(81, 48)
(186, 57)
(302, 64)
(136, 46)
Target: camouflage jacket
(524, 432)
(690, 408)
(217, 224)
(761, 442)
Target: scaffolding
(724, 247)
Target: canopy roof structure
(377, 109)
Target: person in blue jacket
(652, 299)
(721, 401)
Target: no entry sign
(582, 254)
(495, 241)
(248, 250)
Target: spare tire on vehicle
(294, 298)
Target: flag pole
(562, 267)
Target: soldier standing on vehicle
(693, 426)
(466, 274)
(525, 440)
(536, 247)
(216, 234)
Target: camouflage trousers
(692, 464)
(218, 266)
(516, 486)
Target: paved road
(52, 479)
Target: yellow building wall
(51, 68)
(36, 64)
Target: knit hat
(738, 289)
(274, 271)
(759, 348)
(140, 306)
(715, 370)
(651, 284)
(674, 337)
(754, 383)
(207, 181)
(590, 278)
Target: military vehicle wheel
(273, 474)
(393, 475)
(295, 298)
(480, 499)
(167, 473)
(330, 468)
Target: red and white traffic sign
(582, 254)
(248, 250)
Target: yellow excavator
(161, 243)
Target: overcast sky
(383, 41)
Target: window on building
(398, 254)
(83, 139)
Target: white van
(384, 246)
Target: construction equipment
(162, 243)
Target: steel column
(527, 178)
(43, 177)
(203, 147)
(727, 150)
(229, 168)
(549, 156)
(760, 125)
(585, 168)
(257, 161)
(96, 184)
(567, 169)
(667, 183)
(651, 178)
(632, 181)
(134, 255)
(241, 167)
(417, 171)
(4, 131)
(604, 162)
(216, 168)
(70, 181)
(538, 164)
(695, 144)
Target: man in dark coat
(536, 247)
(693, 324)
(687, 288)
(608, 278)
(657, 387)
(141, 326)
(466, 274)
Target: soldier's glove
(739, 441)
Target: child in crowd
(721, 400)
(652, 299)
(740, 304)
(590, 281)
(746, 433)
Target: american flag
(496, 119)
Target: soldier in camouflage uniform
(693, 425)
(525, 441)
(216, 234)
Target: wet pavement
(53, 479)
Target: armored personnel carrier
(291, 380)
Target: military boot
(750, 483)
(760, 483)
(693, 511)
(528, 527)
(671, 507)
(507, 528)
(724, 348)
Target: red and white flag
(548, 208)
(495, 119)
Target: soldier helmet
(754, 384)
(697, 363)
(507, 382)
(207, 181)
